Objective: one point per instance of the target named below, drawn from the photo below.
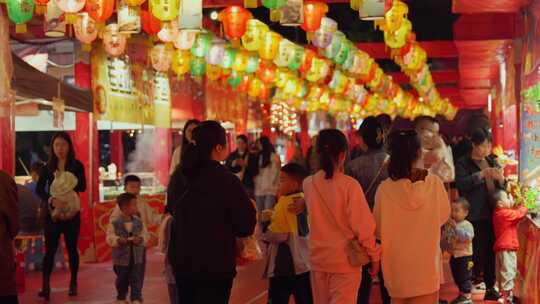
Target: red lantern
(313, 14)
(307, 60)
(234, 20)
(266, 73)
(100, 10)
(150, 24)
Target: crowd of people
(330, 223)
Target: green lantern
(234, 79)
(253, 64)
(343, 53)
(20, 12)
(197, 66)
(297, 57)
(349, 62)
(201, 45)
(228, 58)
(332, 50)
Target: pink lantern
(161, 57)
(216, 53)
(71, 8)
(114, 40)
(85, 29)
(185, 39)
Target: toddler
(128, 235)
(461, 263)
(506, 217)
(62, 189)
(288, 262)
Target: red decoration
(100, 10)
(234, 20)
(150, 24)
(266, 73)
(313, 14)
(307, 60)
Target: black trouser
(462, 273)
(129, 277)
(9, 299)
(365, 288)
(53, 230)
(483, 254)
(204, 291)
(281, 289)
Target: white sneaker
(479, 288)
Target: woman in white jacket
(410, 208)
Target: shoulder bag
(356, 253)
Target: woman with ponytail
(410, 208)
(211, 210)
(339, 214)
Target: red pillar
(117, 150)
(83, 144)
(162, 154)
(7, 136)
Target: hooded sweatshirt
(409, 217)
(327, 242)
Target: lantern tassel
(20, 28)
(275, 15)
(251, 3)
(41, 9)
(70, 18)
(87, 47)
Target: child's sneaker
(479, 288)
(461, 299)
(492, 295)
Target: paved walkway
(96, 285)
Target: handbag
(356, 253)
(247, 248)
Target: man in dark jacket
(243, 164)
(9, 225)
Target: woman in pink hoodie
(410, 208)
(338, 213)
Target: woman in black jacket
(211, 209)
(478, 175)
(62, 159)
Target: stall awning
(31, 83)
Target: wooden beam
(439, 77)
(434, 49)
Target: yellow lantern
(285, 53)
(134, 2)
(270, 45)
(165, 10)
(282, 77)
(181, 62)
(395, 16)
(254, 36)
(241, 61)
(255, 88)
(398, 38)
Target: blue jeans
(129, 276)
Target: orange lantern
(134, 2)
(100, 10)
(71, 8)
(307, 59)
(267, 72)
(150, 24)
(313, 14)
(234, 20)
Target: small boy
(506, 217)
(128, 235)
(132, 184)
(461, 262)
(288, 263)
